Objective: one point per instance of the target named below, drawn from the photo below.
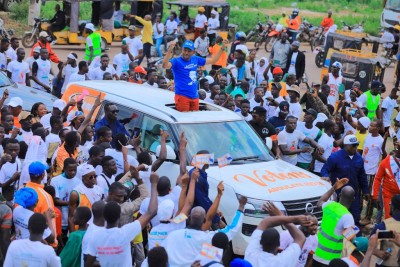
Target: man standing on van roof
(93, 43)
(184, 69)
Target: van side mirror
(268, 142)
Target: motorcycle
(319, 57)
(4, 33)
(305, 32)
(272, 36)
(318, 38)
(30, 38)
(358, 28)
(262, 37)
(258, 29)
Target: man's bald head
(347, 196)
(197, 217)
(97, 209)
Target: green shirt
(237, 91)
(71, 254)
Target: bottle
(380, 261)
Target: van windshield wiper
(246, 158)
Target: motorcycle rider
(283, 20)
(294, 22)
(57, 23)
(328, 21)
(43, 43)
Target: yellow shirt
(282, 21)
(361, 139)
(147, 35)
(139, 238)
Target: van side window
(151, 133)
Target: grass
(244, 14)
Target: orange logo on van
(261, 177)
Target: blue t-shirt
(185, 75)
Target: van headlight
(254, 208)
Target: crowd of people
(72, 194)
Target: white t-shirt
(334, 84)
(249, 117)
(388, 104)
(119, 159)
(97, 73)
(63, 187)
(171, 26)
(292, 69)
(155, 85)
(135, 44)
(326, 142)
(348, 127)
(200, 21)
(372, 153)
(258, 258)
(67, 71)
(122, 62)
(112, 247)
(362, 100)
(89, 235)
(43, 72)
(295, 110)
(21, 218)
(345, 222)
(291, 140)
(76, 77)
(272, 109)
(309, 246)
(254, 103)
(159, 233)
(102, 183)
(8, 170)
(11, 53)
(25, 252)
(160, 27)
(3, 61)
(174, 196)
(212, 24)
(310, 134)
(18, 71)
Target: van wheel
(103, 44)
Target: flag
(225, 160)
(202, 159)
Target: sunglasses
(93, 176)
(354, 145)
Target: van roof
(157, 102)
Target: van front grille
(299, 207)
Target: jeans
(159, 41)
(168, 38)
(146, 52)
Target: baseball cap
(60, 104)
(140, 69)
(277, 70)
(365, 121)
(277, 85)
(296, 43)
(73, 114)
(43, 34)
(132, 28)
(311, 111)
(284, 105)
(209, 79)
(361, 243)
(72, 56)
(90, 26)
(350, 140)
(15, 102)
(165, 210)
(315, 84)
(376, 84)
(259, 110)
(337, 64)
(294, 88)
(86, 169)
(237, 262)
(188, 44)
(24, 115)
(36, 49)
(37, 168)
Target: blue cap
(37, 168)
(240, 263)
(376, 84)
(26, 197)
(188, 44)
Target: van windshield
(236, 138)
(393, 5)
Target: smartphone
(136, 132)
(385, 234)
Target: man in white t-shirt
(112, 245)
(69, 67)
(26, 251)
(41, 71)
(134, 43)
(97, 73)
(10, 170)
(309, 247)
(82, 74)
(244, 110)
(18, 69)
(388, 105)
(121, 61)
(213, 26)
(288, 141)
(171, 27)
(107, 177)
(265, 241)
(371, 99)
(117, 155)
(12, 50)
(326, 142)
(336, 219)
(5, 43)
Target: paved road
(312, 70)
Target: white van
(253, 171)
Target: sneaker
(365, 221)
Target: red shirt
(58, 221)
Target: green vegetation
(246, 13)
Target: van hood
(273, 180)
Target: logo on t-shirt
(193, 77)
(265, 130)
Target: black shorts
(56, 28)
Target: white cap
(36, 49)
(87, 168)
(165, 210)
(209, 79)
(170, 152)
(321, 117)
(43, 34)
(90, 26)
(60, 104)
(71, 56)
(365, 121)
(73, 114)
(350, 140)
(15, 102)
(45, 121)
(214, 12)
(337, 64)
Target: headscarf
(26, 197)
(259, 71)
